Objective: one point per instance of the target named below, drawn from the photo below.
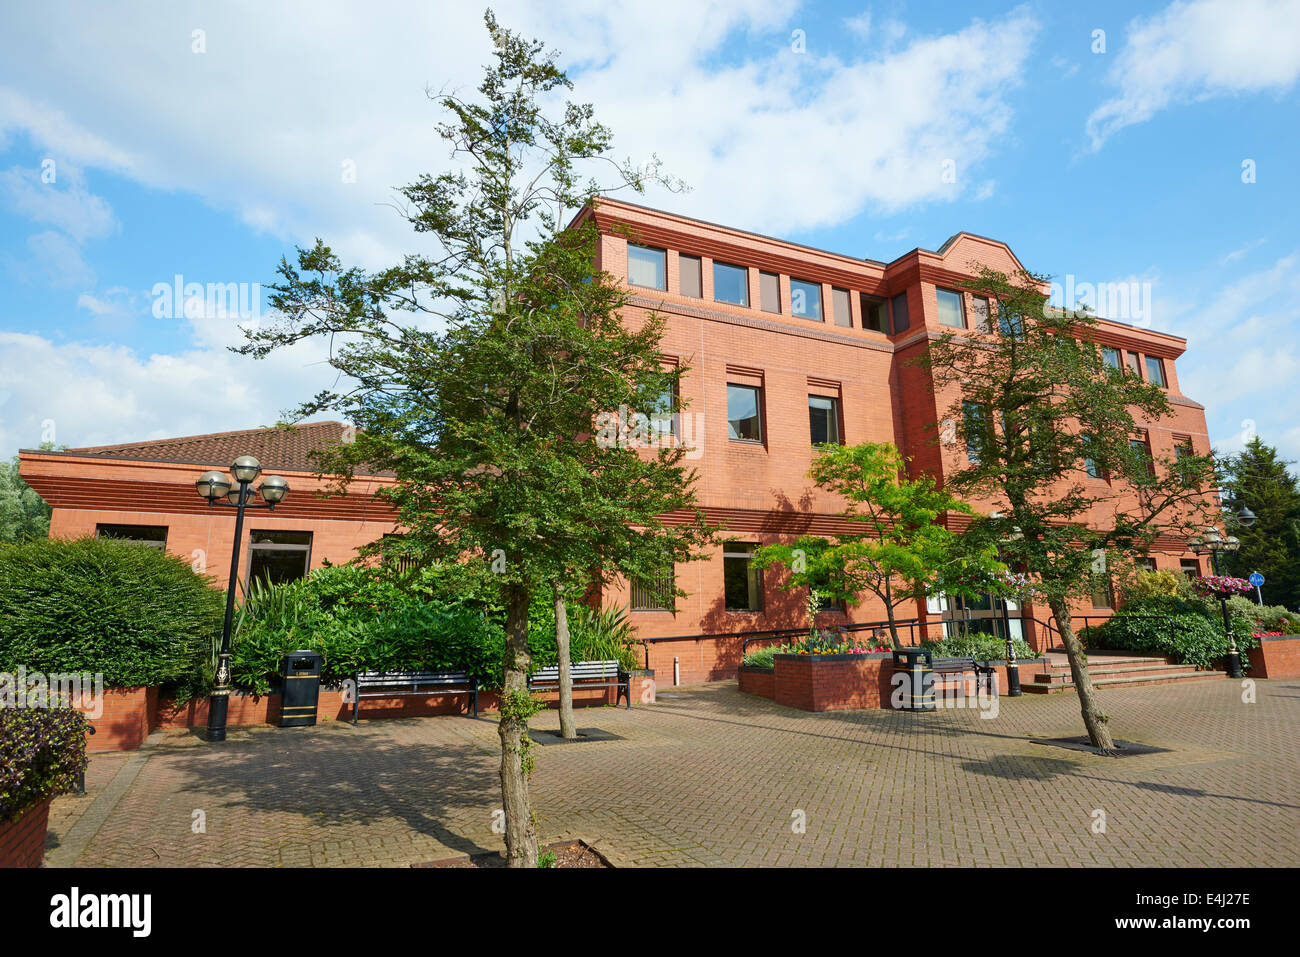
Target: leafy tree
(902, 549)
(1034, 406)
(1258, 479)
(475, 373)
(23, 513)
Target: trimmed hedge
(135, 614)
(1195, 637)
(41, 755)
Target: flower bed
(42, 753)
(1277, 656)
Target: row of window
(274, 555)
(745, 415)
(1119, 359)
(648, 267)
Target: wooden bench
(405, 684)
(585, 674)
(957, 666)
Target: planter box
(1277, 657)
(833, 682)
(22, 842)
(757, 681)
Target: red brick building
(784, 345)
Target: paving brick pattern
(710, 777)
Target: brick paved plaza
(709, 776)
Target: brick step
(1062, 673)
(1129, 681)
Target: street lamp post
(1213, 543)
(219, 489)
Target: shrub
(1190, 632)
(358, 621)
(980, 646)
(594, 634)
(41, 754)
(762, 657)
(1151, 584)
(135, 614)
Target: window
(1191, 567)
(278, 556)
(1146, 563)
(979, 306)
(690, 278)
(875, 314)
(952, 312)
(1010, 324)
(898, 306)
(1143, 451)
(731, 284)
(155, 536)
(662, 413)
(1182, 448)
(975, 428)
(1133, 364)
(841, 308)
(647, 267)
(655, 594)
(806, 299)
(824, 419)
(742, 582)
(1156, 371)
(745, 412)
(393, 555)
(769, 292)
(1110, 356)
(1103, 595)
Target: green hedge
(41, 755)
(981, 646)
(135, 614)
(1195, 638)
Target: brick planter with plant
(42, 755)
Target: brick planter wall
(832, 682)
(22, 842)
(757, 681)
(1276, 658)
(128, 717)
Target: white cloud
(1200, 50)
(285, 93)
(65, 203)
(56, 260)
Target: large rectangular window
(824, 419)
(1134, 364)
(731, 284)
(841, 308)
(276, 556)
(979, 306)
(975, 425)
(655, 593)
(690, 276)
(742, 582)
(806, 299)
(1156, 371)
(875, 314)
(1089, 464)
(1110, 356)
(1143, 452)
(663, 414)
(647, 266)
(898, 307)
(154, 536)
(745, 412)
(952, 312)
(1190, 567)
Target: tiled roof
(278, 449)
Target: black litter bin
(912, 688)
(301, 690)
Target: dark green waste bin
(300, 672)
(912, 687)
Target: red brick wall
(1275, 658)
(832, 682)
(22, 842)
(129, 715)
(757, 681)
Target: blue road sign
(1256, 579)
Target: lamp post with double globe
(219, 489)
(1212, 542)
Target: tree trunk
(889, 612)
(1094, 719)
(567, 729)
(516, 748)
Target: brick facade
(1276, 658)
(22, 842)
(757, 491)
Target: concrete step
(1177, 673)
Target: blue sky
(156, 140)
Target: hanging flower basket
(1222, 586)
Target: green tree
(476, 373)
(902, 549)
(1258, 479)
(23, 514)
(1035, 406)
